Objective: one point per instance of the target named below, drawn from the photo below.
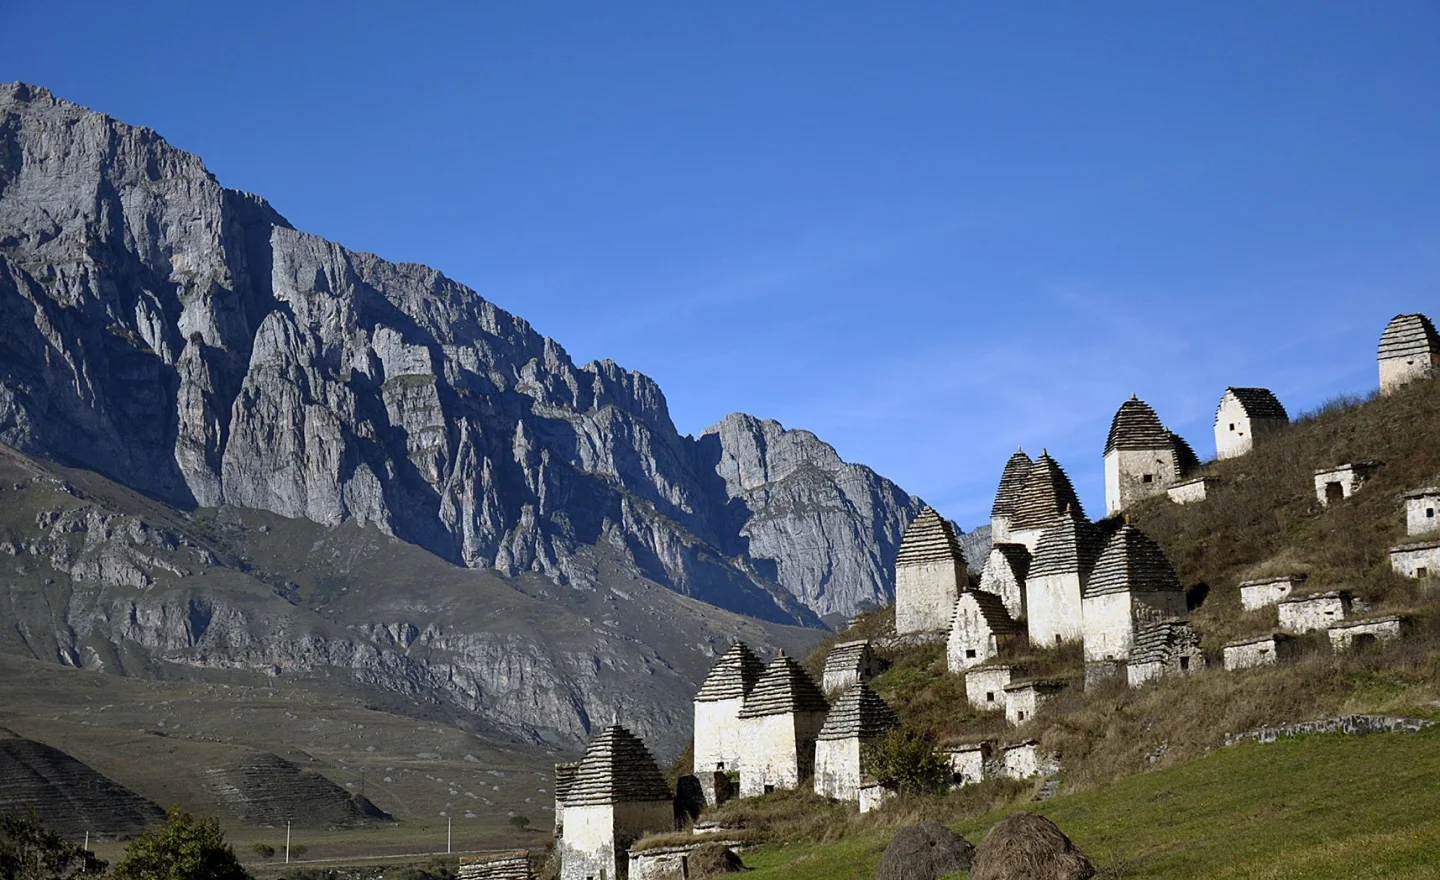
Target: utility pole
(287, 841)
(449, 827)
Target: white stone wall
(1395, 372)
(967, 764)
(666, 863)
(837, 769)
(1021, 761)
(1349, 478)
(1232, 429)
(1022, 704)
(717, 735)
(873, 796)
(1053, 609)
(1029, 537)
(1416, 562)
(971, 640)
(779, 751)
(1422, 515)
(1343, 637)
(999, 529)
(1264, 652)
(597, 837)
(985, 687)
(1255, 595)
(1190, 491)
(1306, 615)
(1126, 471)
(1110, 620)
(999, 579)
(925, 595)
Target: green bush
(30, 851)
(184, 848)
(907, 761)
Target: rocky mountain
(183, 339)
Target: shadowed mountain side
(66, 795)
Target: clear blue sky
(927, 232)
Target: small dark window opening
(1429, 513)
(769, 789)
(1148, 478)
(1264, 651)
(1184, 663)
(1057, 638)
(1334, 491)
(1232, 426)
(1363, 641)
(1422, 571)
(989, 696)
(970, 653)
(1021, 714)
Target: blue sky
(927, 232)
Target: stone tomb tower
(1244, 416)
(848, 663)
(617, 796)
(779, 722)
(1004, 575)
(859, 718)
(982, 628)
(1409, 350)
(930, 572)
(1421, 508)
(1132, 584)
(1055, 584)
(1012, 482)
(1047, 494)
(717, 717)
(1142, 456)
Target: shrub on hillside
(906, 761)
(184, 848)
(30, 851)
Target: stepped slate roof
(784, 688)
(1133, 562)
(1258, 403)
(496, 866)
(1407, 336)
(1017, 556)
(1012, 482)
(1070, 546)
(992, 608)
(1047, 493)
(733, 675)
(1157, 642)
(860, 713)
(564, 778)
(1136, 426)
(847, 656)
(617, 768)
(1186, 461)
(929, 538)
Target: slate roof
(1252, 640)
(1070, 546)
(847, 657)
(992, 608)
(1186, 461)
(1012, 482)
(617, 768)
(1258, 403)
(860, 713)
(1132, 561)
(1136, 426)
(1017, 556)
(929, 538)
(733, 675)
(1297, 579)
(1047, 493)
(565, 778)
(784, 688)
(1158, 642)
(1407, 336)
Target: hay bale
(712, 860)
(1028, 846)
(924, 852)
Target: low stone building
(1004, 575)
(669, 862)
(873, 795)
(564, 778)
(718, 743)
(1420, 559)
(930, 572)
(1192, 490)
(1020, 760)
(967, 762)
(1164, 649)
(1302, 614)
(779, 723)
(1342, 481)
(1133, 584)
(1048, 493)
(1007, 496)
(1265, 592)
(513, 865)
(847, 664)
(1409, 350)
(1245, 416)
(859, 719)
(617, 796)
(1356, 633)
(1023, 699)
(980, 630)
(1420, 511)
(1266, 650)
(1055, 584)
(1142, 457)
(985, 685)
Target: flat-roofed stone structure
(1302, 614)
(513, 865)
(564, 778)
(1023, 699)
(617, 796)
(1244, 416)
(873, 795)
(1193, 490)
(967, 761)
(1020, 760)
(1142, 457)
(1007, 496)
(848, 663)
(669, 862)
(1047, 494)
(1267, 650)
(1343, 480)
(1132, 584)
(858, 719)
(980, 630)
(1004, 575)
(1422, 511)
(1055, 584)
(1265, 592)
(1409, 350)
(779, 722)
(718, 743)
(985, 685)
(930, 572)
(1353, 633)
(1162, 649)
(1420, 559)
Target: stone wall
(925, 595)
(837, 768)
(1396, 372)
(1267, 651)
(972, 641)
(717, 738)
(779, 751)
(1021, 761)
(985, 686)
(1354, 725)
(1313, 612)
(1053, 609)
(967, 762)
(1421, 514)
(1416, 560)
(998, 578)
(1023, 701)
(1262, 593)
(1110, 620)
(1126, 471)
(496, 866)
(1350, 477)
(1191, 491)
(1344, 636)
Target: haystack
(1027, 846)
(924, 852)
(712, 860)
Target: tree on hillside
(30, 851)
(184, 848)
(906, 761)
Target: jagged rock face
(185, 340)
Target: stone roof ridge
(1251, 640)
(860, 713)
(1322, 594)
(1132, 561)
(1423, 492)
(1364, 621)
(929, 538)
(1186, 461)
(1258, 403)
(1047, 493)
(617, 768)
(733, 675)
(1408, 335)
(1033, 683)
(992, 608)
(1012, 483)
(784, 688)
(1017, 556)
(1155, 641)
(1071, 546)
(1298, 577)
(1136, 426)
(847, 655)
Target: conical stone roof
(1136, 426)
(733, 675)
(1016, 556)
(860, 713)
(848, 657)
(992, 608)
(1132, 562)
(1047, 493)
(1012, 483)
(1071, 546)
(1409, 335)
(617, 768)
(1258, 403)
(1158, 642)
(929, 538)
(784, 688)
